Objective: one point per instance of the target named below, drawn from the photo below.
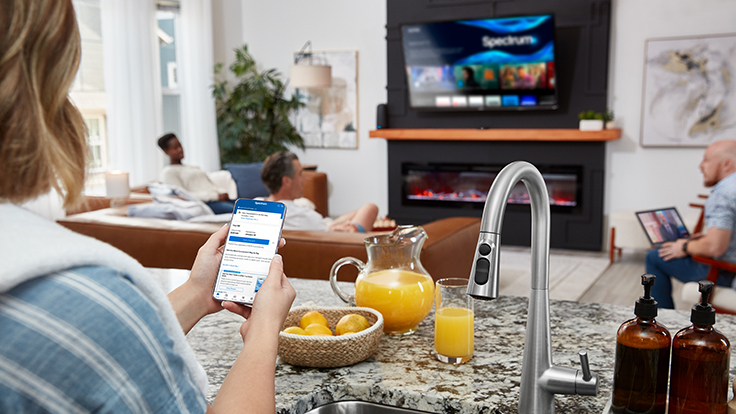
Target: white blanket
(31, 246)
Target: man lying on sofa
(192, 178)
(282, 175)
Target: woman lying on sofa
(83, 326)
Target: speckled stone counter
(404, 372)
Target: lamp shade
(116, 184)
(311, 76)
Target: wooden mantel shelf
(468, 134)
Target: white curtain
(195, 67)
(133, 87)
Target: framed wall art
(329, 118)
(689, 93)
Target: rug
(570, 275)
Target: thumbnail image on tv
(499, 63)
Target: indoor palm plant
(253, 116)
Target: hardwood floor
(620, 284)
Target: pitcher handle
(349, 299)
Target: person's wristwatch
(684, 248)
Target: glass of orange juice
(453, 321)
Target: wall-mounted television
(486, 64)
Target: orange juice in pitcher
(404, 298)
(393, 280)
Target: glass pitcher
(393, 282)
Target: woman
(83, 327)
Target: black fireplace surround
(576, 227)
(581, 66)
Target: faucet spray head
(483, 280)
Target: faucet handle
(588, 384)
(584, 364)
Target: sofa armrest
(152, 242)
(447, 252)
(93, 203)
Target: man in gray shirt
(717, 241)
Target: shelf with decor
(470, 134)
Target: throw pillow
(248, 179)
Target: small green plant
(590, 115)
(603, 116)
(253, 117)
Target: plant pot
(591, 124)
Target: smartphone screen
(252, 241)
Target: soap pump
(700, 361)
(642, 359)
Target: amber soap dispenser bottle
(700, 360)
(642, 359)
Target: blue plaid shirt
(86, 340)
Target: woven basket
(330, 351)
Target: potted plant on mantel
(253, 117)
(595, 121)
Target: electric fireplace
(457, 184)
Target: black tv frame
(483, 108)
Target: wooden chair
(715, 265)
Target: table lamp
(116, 187)
(307, 75)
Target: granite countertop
(405, 373)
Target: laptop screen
(662, 225)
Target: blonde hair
(42, 134)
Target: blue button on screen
(510, 100)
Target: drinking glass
(453, 321)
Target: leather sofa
(447, 252)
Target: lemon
(317, 329)
(312, 317)
(295, 330)
(351, 323)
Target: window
(88, 92)
(167, 16)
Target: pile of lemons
(315, 324)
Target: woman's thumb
(276, 269)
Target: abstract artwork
(689, 95)
(329, 118)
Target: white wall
(275, 30)
(641, 178)
(227, 33)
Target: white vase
(591, 124)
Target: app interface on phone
(252, 241)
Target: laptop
(662, 225)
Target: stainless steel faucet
(540, 380)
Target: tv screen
(487, 64)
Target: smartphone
(252, 241)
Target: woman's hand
(193, 300)
(204, 270)
(271, 304)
